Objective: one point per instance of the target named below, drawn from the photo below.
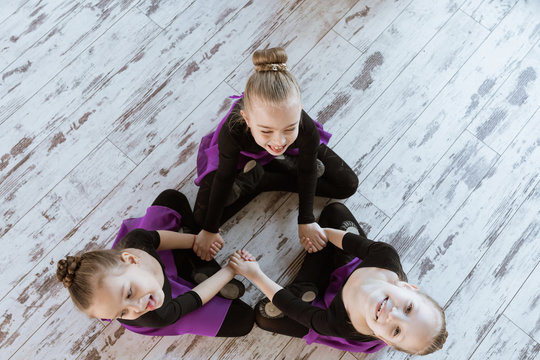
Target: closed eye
(408, 309)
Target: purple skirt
(206, 320)
(208, 156)
(337, 280)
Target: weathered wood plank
(188, 347)
(513, 104)
(450, 112)
(504, 266)
(10, 7)
(287, 35)
(367, 20)
(46, 342)
(442, 192)
(341, 107)
(488, 12)
(29, 23)
(297, 349)
(524, 310)
(152, 122)
(481, 219)
(506, 341)
(323, 66)
(162, 12)
(115, 342)
(64, 206)
(54, 51)
(31, 144)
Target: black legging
(240, 317)
(338, 181)
(316, 268)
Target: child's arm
(243, 263)
(211, 286)
(173, 240)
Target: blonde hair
(271, 83)
(438, 340)
(81, 274)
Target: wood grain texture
(524, 310)
(482, 218)
(451, 111)
(488, 12)
(9, 8)
(367, 20)
(504, 266)
(506, 341)
(406, 99)
(453, 179)
(38, 17)
(286, 35)
(162, 12)
(513, 104)
(63, 43)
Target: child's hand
(312, 237)
(243, 263)
(207, 244)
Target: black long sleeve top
(235, 137)
(335, 321)
(172, 308)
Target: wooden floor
(433, 103)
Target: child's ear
(245, 117)
(407, 285)
(129, 258)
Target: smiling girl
(266, 142)
(365, 301)
(145, 282)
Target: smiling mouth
(379, 307)
(276, 149)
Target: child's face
(127, 293)
(406, 319)
(274, 127)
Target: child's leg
(283, 325)
(238, 321)
(177, 201)
(338, 180)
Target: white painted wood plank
(297, 349)
(489, 12)
(367, 20)
(186, 347)
(155, 121)
(513, 104)
(65, 205)
(323, 66)
(115, 342)
(45, 58)
(506, 341)
(450, 113)
(524, 310)
(482, 218)
(46, 342)
(504, 266)
(9, 7)
(53, 104)
(370, 75)
(371, 219)
(30, 22)
(162, 12)
(297, 35)
(36, 144)
(443, 191)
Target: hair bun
(273, 59)
(65, 272)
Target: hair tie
(272, 67)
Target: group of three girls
(160, 277)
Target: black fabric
(317, 268)
(210, 210)
(238, 321)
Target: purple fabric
(337, 280)
(208, 155)
(204, 321)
